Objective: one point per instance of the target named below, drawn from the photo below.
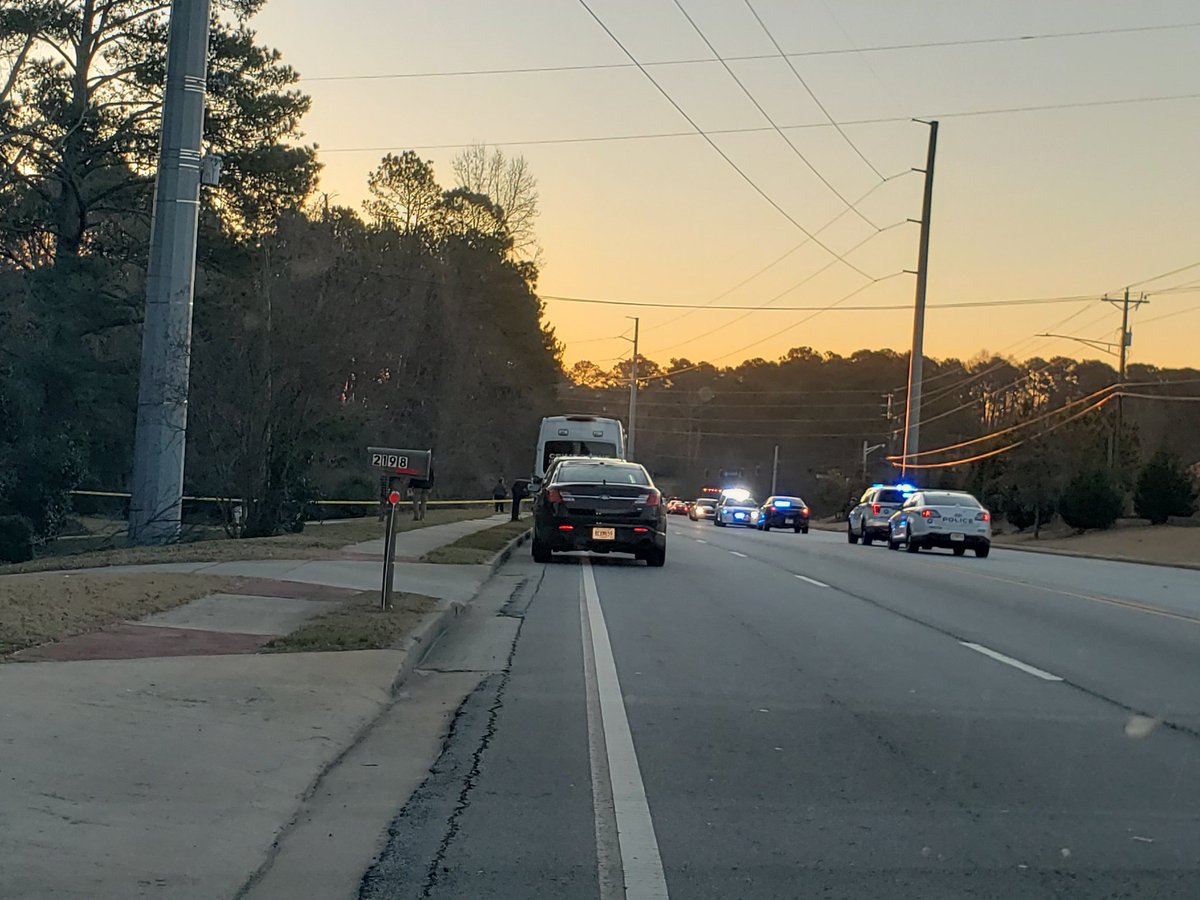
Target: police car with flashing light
(736, 507)
(949, 519)
(868, 520)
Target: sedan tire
(959, 551)
(541, 553)
(851, 536)
(912, 546)
(656, 558)
(893, 544)
(866, 537)
(982, 552)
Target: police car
(736, 507)
(953, 519)
(869, 519)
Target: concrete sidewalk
(172, 776)
(414, 544)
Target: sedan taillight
(653, 498)
(930, 514)
(554, 495)
(875, 507)
(984, 516)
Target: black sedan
(603, 506)
(783, 512)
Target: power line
(766, 115)
(964, 304)
(881, 120)
(778, 260)
(804, 84)
(835, 51)
(1010, 429)
(717, 147)
(835, 303)
(781, 294)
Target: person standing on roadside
(499, 494)
(421, 488)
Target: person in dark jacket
(420, 489)
(500, 494)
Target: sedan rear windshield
(936, 498)
(706, 502)
(889, 495)
(598, 473)
(786, 501)
(749, 501)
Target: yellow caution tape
(125, 494)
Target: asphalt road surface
(789, 716)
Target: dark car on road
(599, 505)
(783, 512)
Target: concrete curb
(435, 623)
(1080, 554)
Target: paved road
(780, 715)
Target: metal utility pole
(633, 389)
(154, 514)
(912, 410)
(1122, 355)
(775, 470)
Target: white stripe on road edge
(1009, 661)
(701, 541)
(742, 555)
(812, 581)
(640, 859)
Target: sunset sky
(1070, 202)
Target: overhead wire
(717, 147)
(808, 90)
(766, 115)
(833, 51)
(708, 133)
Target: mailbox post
(398, 466)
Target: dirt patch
(37, 609)
(317, 541)
(359, 625)
(1163, 544)
(477, 548)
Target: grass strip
(37, 609)
(480, 547)
(357, 625)
(317, 541)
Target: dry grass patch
(1167, 544)
(37, 609)
(358, 625)
(317, 541)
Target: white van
(577, 436)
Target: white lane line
(640, 859)
(742, 555)
(812, 581)
(701, 541)
(1009, 661)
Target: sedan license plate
(789, 520)
(958, 536)
(604, 534)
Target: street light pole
(633, 389)
(775, 471)
(156, 504)
(867, 451)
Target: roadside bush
(1090, 500)
(1024, 508)
(1164, 488)
(16, 539)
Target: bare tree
(511, 185)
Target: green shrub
(1090, 500)
(1164, 489)
(16, 539)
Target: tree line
(696, 421)
(317, 330)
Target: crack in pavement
(423, 831)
